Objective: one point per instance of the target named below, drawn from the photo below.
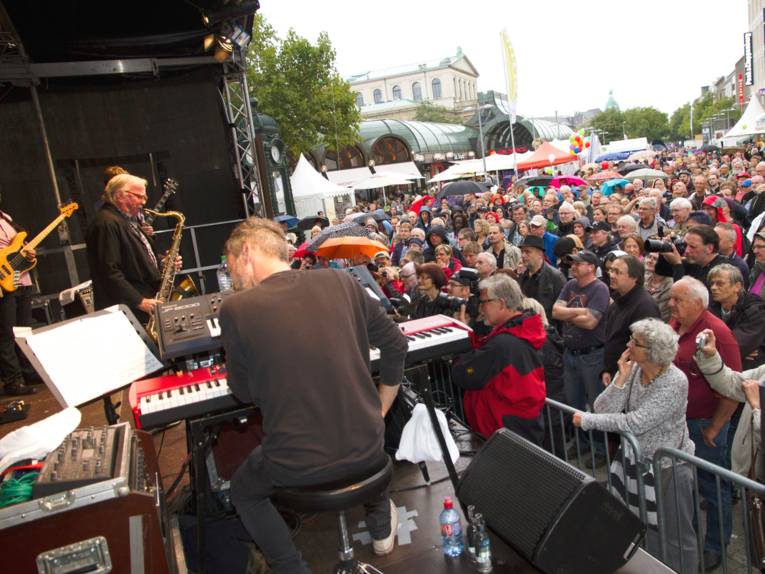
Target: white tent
(634, 144)
(313, 193)
(349, 177)
(750, 123)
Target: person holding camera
(463, 289)
(430, 281)
(708, 414)
(701, 254)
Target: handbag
(756, 512)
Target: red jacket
(504, 374)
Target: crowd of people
(593, 278)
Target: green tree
(610, 124)
(646, 122)
(680, 123)
(295, 82)
(706, 109)
(427, 112)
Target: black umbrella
(625, 169)
(378, 215)
(308, 222)
(462, 187)
(533, 180)
(709, 147)
(350, 229)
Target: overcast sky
(569, 54)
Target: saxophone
(166, 289)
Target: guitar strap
(10, 221)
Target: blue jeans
(581, 378)
(707, 484)
(582, 385)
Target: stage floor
(418, 547)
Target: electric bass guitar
(13, 264)
(170, 187)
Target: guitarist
(123, 264)
(15, 310)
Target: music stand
(92, 356)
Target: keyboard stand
(200, 435)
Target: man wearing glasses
(123, 263)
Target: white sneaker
(385, 546)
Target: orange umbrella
(605, 175)
(348, 247)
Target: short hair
(504, 288)
(728, 227)
(264, 234)
(629, 220)
(443, 248)
(520, 206)
(418, 232)
(680, 203)
(637, 239)
(647, 201)
(566, 206)
(467, 233)
(112, 171)
(405, 222)
(615, 206)
(635, 267)
(734, 273)
(120, 182)
(434, 271)
(659, 338)
(707, 235)
(417, 257)
(532, 304)
(697, 289)
(490, 259)
(471, 248)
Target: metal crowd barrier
(742, 483)
(564, 441)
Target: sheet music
(92, 356)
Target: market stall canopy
(350, 177)
(380, 179)
(307, 182)
(545, 156)
(750, 123)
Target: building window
(359, 100)
(436, 89)
(396, 92)
(377, 95)
(417, 92)
(349, 157)
(390, 150)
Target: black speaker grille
(519, 487)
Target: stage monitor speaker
(556, 516)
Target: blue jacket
(550, 240)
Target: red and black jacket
(504, 375)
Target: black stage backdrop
(157, 128)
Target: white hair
(680, 203)
(627, 220)
(647, 201)
(660, 340)
(696, 288)
(566, 206)
(489, 258)
(504, 288)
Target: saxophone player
(124, 266)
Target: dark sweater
(624, 311)
(297, 345)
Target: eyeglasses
(482, 301)
(138, 195)
(635, 342)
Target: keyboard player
(297, 344)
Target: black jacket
(551, 281)
(747, 322)
(677, 272)
(624, 311)
(121, 270)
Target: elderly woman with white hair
(648, 398)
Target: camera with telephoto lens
(659, 246)
(447, 302)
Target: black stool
(338, 497)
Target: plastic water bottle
(471, 531)
(451, 529)
(482, 546)
(224, 277)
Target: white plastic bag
(38, 439)
(419, 441)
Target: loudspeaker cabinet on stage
(81, 520)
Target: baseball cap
(600, 226)
(586, 257)
(416, 241)
(381, 254)
(747, 183)
(538, 221)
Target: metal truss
(236, 99)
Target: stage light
(223, 49)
